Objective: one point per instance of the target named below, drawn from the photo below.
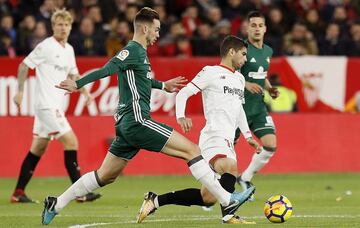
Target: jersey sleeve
(200, 81)
(126, 59)
(157, 84)
(36, 56)
(103, 72)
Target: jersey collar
(232, 71)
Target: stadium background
(321, 52)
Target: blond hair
(63, 14)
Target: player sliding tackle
(135, 129)
(223, 96)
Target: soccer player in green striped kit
(135, 129)
(255, 73)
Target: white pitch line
(200, 218)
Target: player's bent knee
(225, 165)
(209, 200)
(69, 141)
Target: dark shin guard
(71, 164)
(27, 169)
(186, 197)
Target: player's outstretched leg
(148, 207)
(49, 212)
(245, 185)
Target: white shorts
(213, 147)
(50, 123)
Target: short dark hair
(255, 13)
(146, 14)
(231, 42)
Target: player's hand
(253, 87)
(18, 98)
(173, 84)
(68, 85)
(185, 123)
(252, 142)
(274, 92)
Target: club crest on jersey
(123, 55)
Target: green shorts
(260, 124)
(132, 136)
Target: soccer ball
(278, 209)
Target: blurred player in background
(54, 61)
(255, 73)
(135, 129)
(222, 89)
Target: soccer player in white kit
(54, 61)
(222, 89)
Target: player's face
(239, 58)
(256, 29)
(152, 32)
(61, 29)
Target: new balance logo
(253, 60)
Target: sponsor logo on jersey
(123, 55)
(253, 60)
(260, 74)
(234, 92)
(61, 68)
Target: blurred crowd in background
(189, 27)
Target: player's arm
(23, 70)
(156, 84)
(273, 91)
(35, 58)
(253, 87)
(199, 83)
(244, 128)
(126, 59)
(170, 86)
(181, 100)
(71, 85)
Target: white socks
(86, 184)
(257, 162)
(202, 172)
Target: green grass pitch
(319, 200)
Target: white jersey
(223, 96)
(53, 63)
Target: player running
(255, 73)
(54, 61)
(222, 89)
